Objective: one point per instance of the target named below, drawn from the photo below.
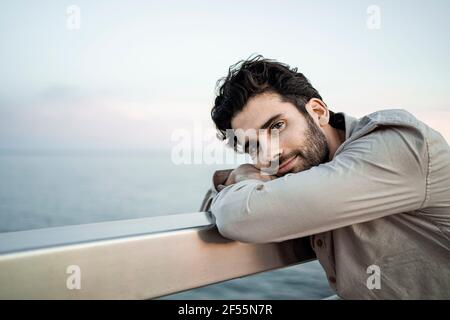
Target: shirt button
(332, 279)
(319, 243)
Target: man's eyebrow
(268, 122)
(265, 125)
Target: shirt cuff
(219, 178)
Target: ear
(318, 110)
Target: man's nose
(269, 152)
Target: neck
(335, 137)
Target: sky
(132, 72)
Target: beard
(315, 151)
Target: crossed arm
(379, 174)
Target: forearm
(359, 185)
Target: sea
(49, 188)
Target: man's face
(299, 142)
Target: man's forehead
(257, 111)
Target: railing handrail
(56, 236)
(133, 259)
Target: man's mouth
(286, 166)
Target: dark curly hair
(253, 76)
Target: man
(371, 192)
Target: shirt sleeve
(218, 179)
(382, 173)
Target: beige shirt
(382, 202)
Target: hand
(245, 172)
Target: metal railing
(133, 259)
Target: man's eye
(278, 125)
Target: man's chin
(293, 170)
(274, 171)
(279, 175)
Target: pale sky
(137, 70)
